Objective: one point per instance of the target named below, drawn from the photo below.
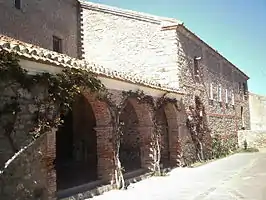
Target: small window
(245, 88)
(220, 93)
(211, 91)
(57, 44)
(233, 98)
(196, 67)
(239, 87)
(18, 4)
(226, 96)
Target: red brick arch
(100, 109)
(145, 126)
(143, 111)
(173, 118)
(104, 151)
(171, 115)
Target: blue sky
(236, 28)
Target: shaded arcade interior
(130, 148)
(76, 146)
(164, 140)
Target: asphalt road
(238, 177)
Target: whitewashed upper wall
(130, 42)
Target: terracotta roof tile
(36, 53)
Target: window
(245, 88)
(220, 93)
(18, 4)
(57, 44)
(226, 96)
(239, 87)
(211, 91)
(242, 118)
(196, 67)
(233, 98)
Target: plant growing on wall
(116, 111)
(197, 125)
(60, 91)
(161, 102)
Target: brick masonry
(40, 177)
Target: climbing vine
(200, 133)
(116, 111)
(60, 91)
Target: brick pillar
(105, 152)
(49, 158)
(145, 148)
(174, 146)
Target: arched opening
(129, 153)
(163, 126)
(76, 146)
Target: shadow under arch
(137, 119)
(76, 142)
(173, 118)
(162, 124)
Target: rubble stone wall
(131, 42)
(257, 112)
(254, 138)
(38, 21)
(33, 172)
(224, 116)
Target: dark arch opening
(76, 146)
(129, 153)
(163, 125)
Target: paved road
(238, 177)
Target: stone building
(180, 60)
(46, 167)
(132, 51)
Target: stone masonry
(132, 51)
(217, 76)
(130, 39)
(254, 138)
(38, 21)
(257, 105)
(40, 177)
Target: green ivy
(61, 88)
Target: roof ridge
(129, 13)
(37, 53)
